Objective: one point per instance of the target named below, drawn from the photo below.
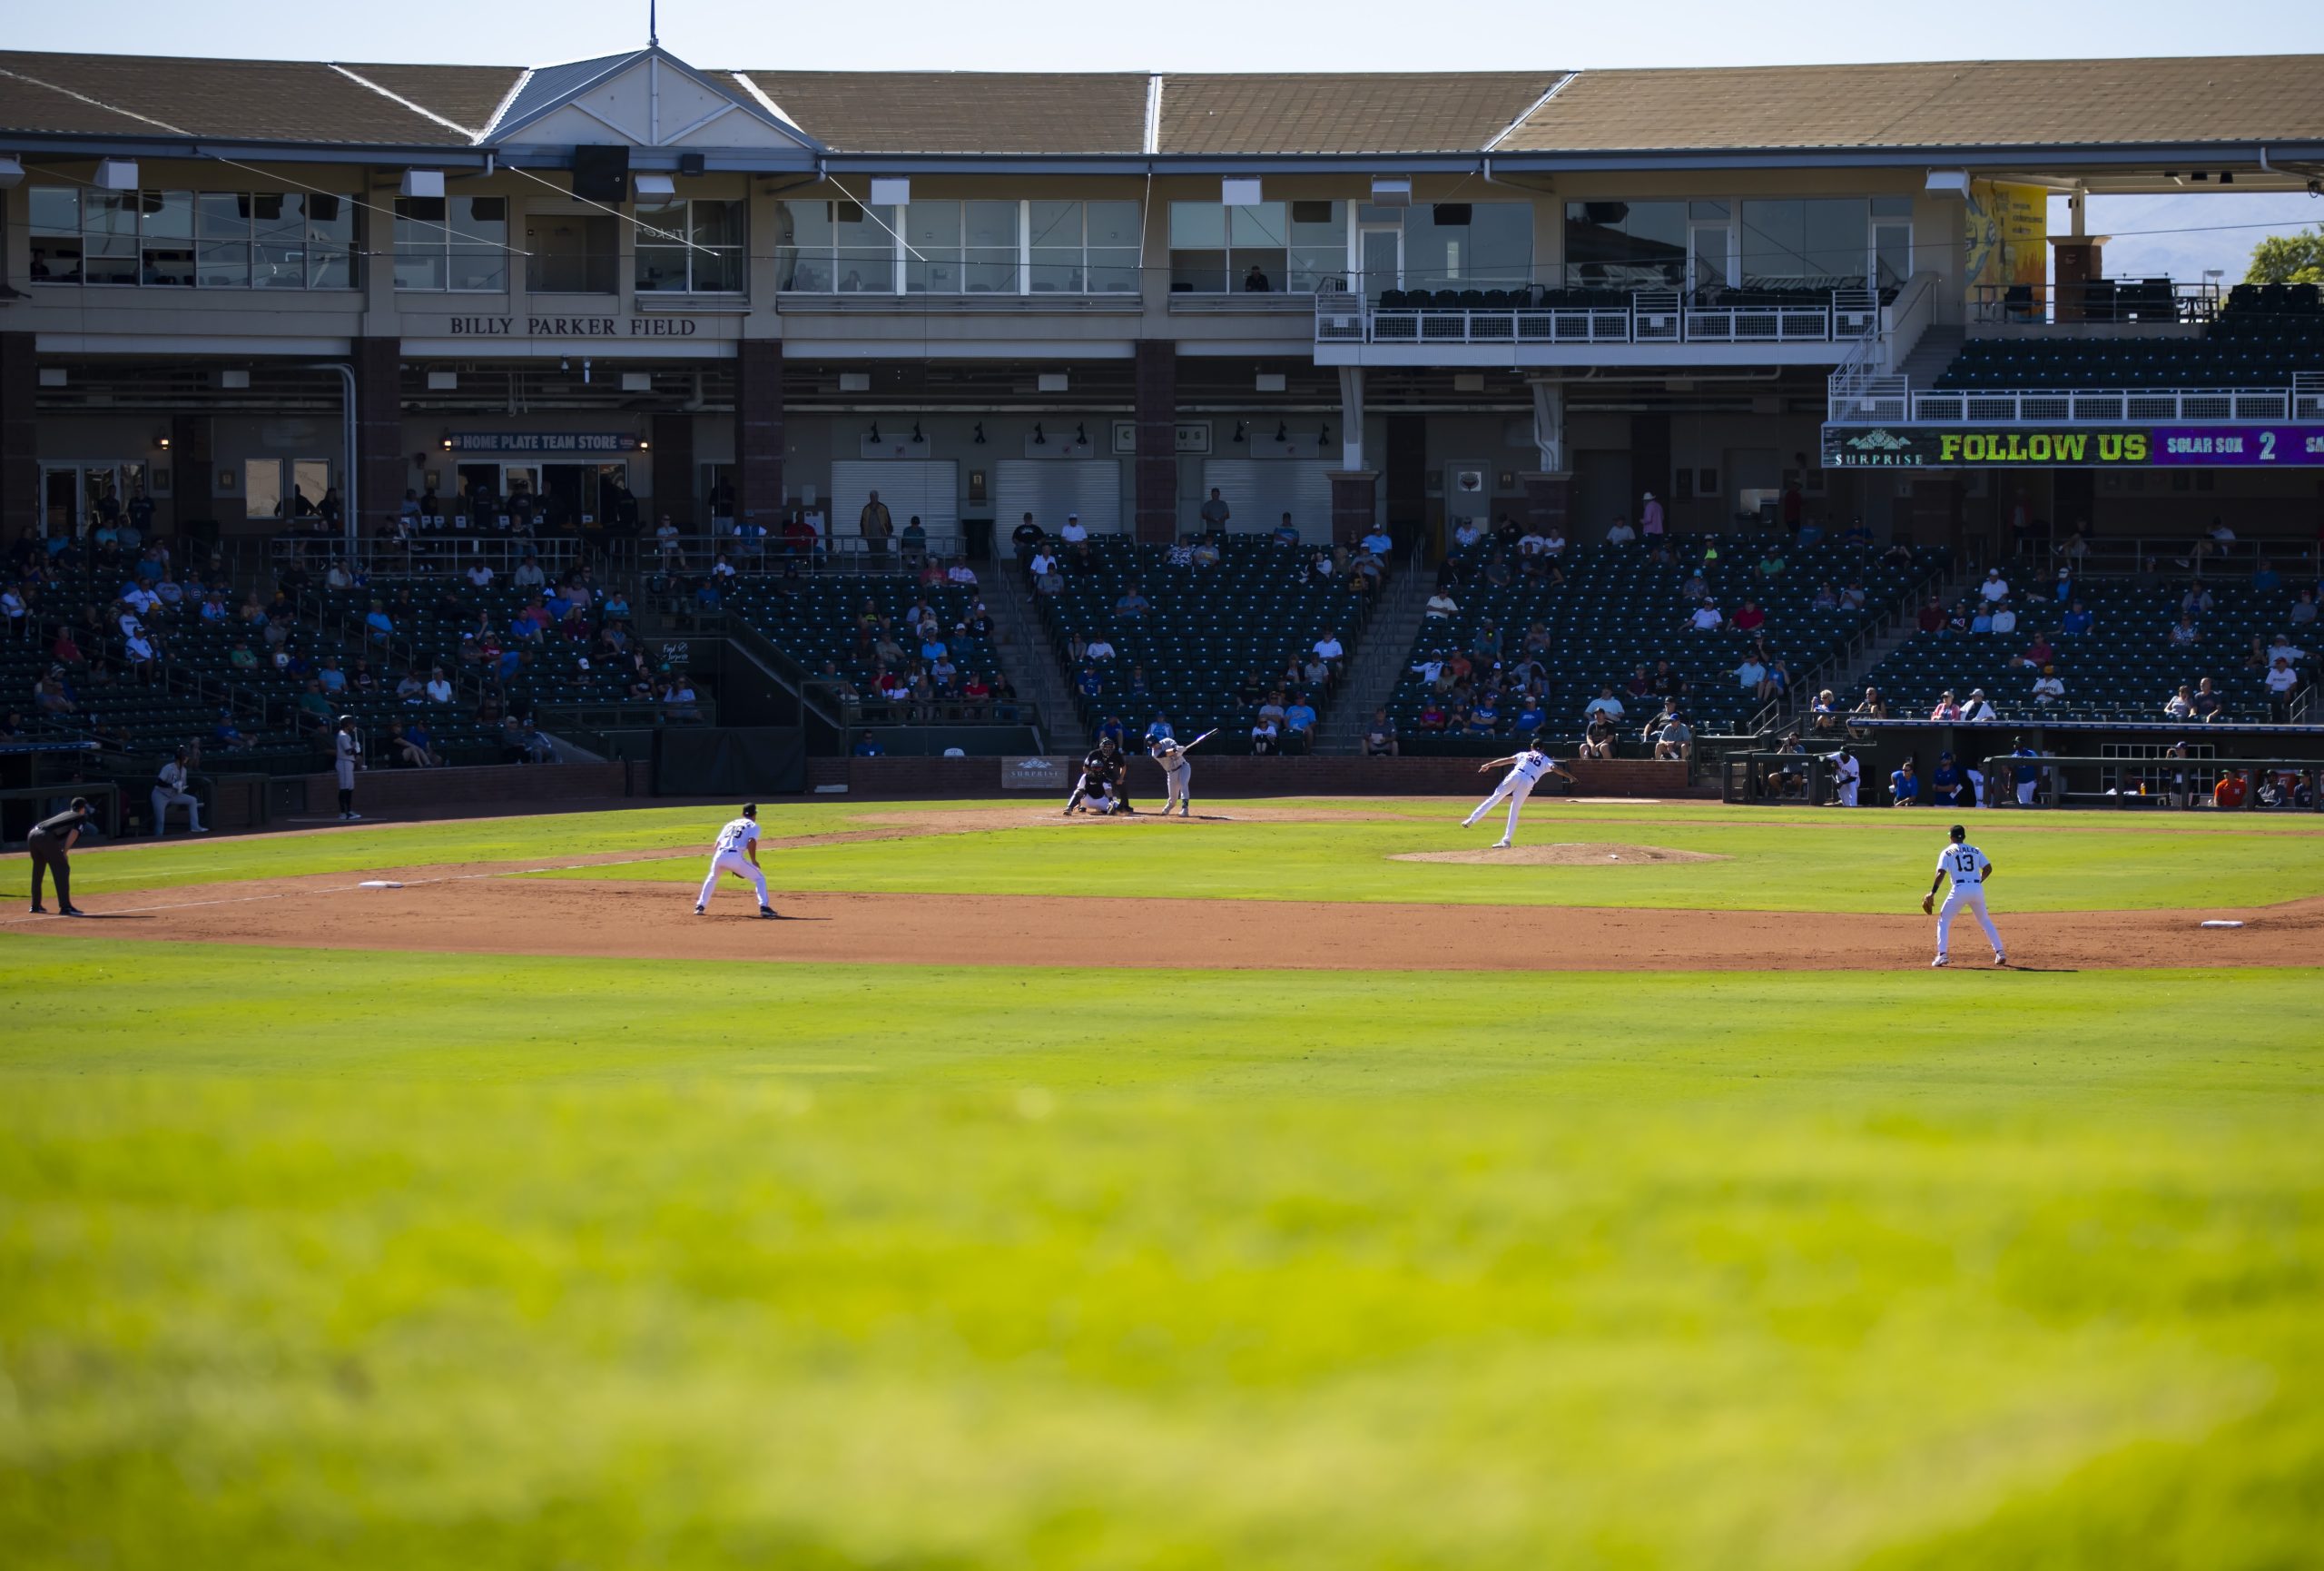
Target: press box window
(690, 247)
(571, 253)
(459, 243)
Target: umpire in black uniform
(50, 841)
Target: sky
(1237, 35)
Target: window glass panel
(1892, 245)
(479, 242)
(1114, 230)
(1713, 211)
(1256, 254)
(309, 479)
(1318, 247)
(166, 219)
(1054, 231)
(661, 259)
(56, 234)
(262, 487)
(1626, 244)
(421, 241)
(108, 237)
(280, 221)
(802, 252)
(1197, 226)
(1501, 243)
(1804, 244)
(570, 253)
(932, 247)
(331, 243)
(991, 249)
(864, 254)
(717, 223)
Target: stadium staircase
(1379, 662)
(1938, 348)
(1027, 657)
(1844, 674)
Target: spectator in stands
(1772, 564)
(1674, 738)
(1981, 617)
(439, 686)
(2207, 706)
(1932, 619)
(1621, 533)
(1132, 607)
(404, 748)
(876, 525)
(1605, 704)
(1827, 599)
(1484, 718)
(2076, 622)
(1380, 736)
(2281, 647)
(1298, 725)
(1074, 533)
(2282, 681)
(1026, 538)
(2183, 632)
(1205, 555)
(1857, 533)
(1531, 715)
(1995, 587)
(679, 701)
(1553, 542)
(1945, 709)
(1904, 786)
(2003, 620)
(314, 705)
(2049, 687)
(915, 540)
(1266, 737)
(1751, 618)
(1705, 617)
(2303, 610)
(1090, 683)
(1329, 649)
(480, 575)
(1598, 735)
(2196, 601)
(528, 574)
(1751, 676)
(1272, 707)
(665, 544)
(1431, 716)
(2181, 705)
(1099, 648)
(1442, 605)
(226, 736)
(1649, 517)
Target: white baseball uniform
(170, 791)
(1967, 866)
(1846, 775)
(728, 857)
(1514, 787)
(1177, 775)
(346, 752)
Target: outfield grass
(1818, 862)
(401, 1261)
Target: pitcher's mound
(1589, 854)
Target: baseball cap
(1958, 833)
(750, 809)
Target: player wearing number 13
(736, 852)
(1968, 868)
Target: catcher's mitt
(1929, 904)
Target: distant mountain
(2205, 230)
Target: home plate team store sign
(2129, 447)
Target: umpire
(49, 843)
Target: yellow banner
(2009, 229)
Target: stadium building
(566, 302)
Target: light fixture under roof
(422, 183)
(655, 185)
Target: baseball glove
(1929, 904)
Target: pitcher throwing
(1525, 772)
(1968, 867)
(737, 852)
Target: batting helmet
(347, 720)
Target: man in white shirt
(1968, 868)
(1532, 543)
(1749, 674)
(1605, 704)
(961, 573)
(480, 576)
(2281, 647)
(1525, 771)
(2005, 620)
(736, 852)
(1440, 604)
(1554, 543)
(1995, 587)
(2281, 680)
(1847, 774)
(1329, 646)
(529, 575)
(1100, 649)
(1468, 534)
(1043, 563)
(1073, 534)
(440, 688)
(1707, 618)
(1621, 534)
(170, 791)
(2049, 687)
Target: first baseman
(1525, 771)
(1968, 868)
(737, 852)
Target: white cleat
(697, 911)
(1501, 846)
(1937, 962)
(2000, 960)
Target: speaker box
(601, 174)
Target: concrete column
(1407, 476)
(2078, 261)
(1649, 462)
(1934, 509)
(1156, 479)
(382, 467)
(20, 499)
(190, 497)
(1350, 418)
(1548, 499)
(674, 471)
(758, 434)
(1355, 503)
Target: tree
(2288, 258)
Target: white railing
(2308, 396)
(2099, 406)
(1647, 318)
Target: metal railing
(1649, 317)
(1798, 698)
(2101, 406)
(2155, 300)
(757, 555)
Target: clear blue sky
(1238, 35)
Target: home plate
(385, 883)
(2222, 924)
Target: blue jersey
(1906, 787)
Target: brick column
(1354, 502)
(1156, 517)
(674, 471)
(758, 434)
(20, 499)
(382, 467)
(190, 498)
(1548, 499)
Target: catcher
(1097, 788)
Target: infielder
(1968, 867)
(1525, 772)
(1848, 774)
(1178, 772)
(170, 791)
(737, 852)
(347, 750)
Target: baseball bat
(1198, 741)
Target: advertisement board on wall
(2073, 448)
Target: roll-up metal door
(1049, 488)
(1259, 491)
(929, 488)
